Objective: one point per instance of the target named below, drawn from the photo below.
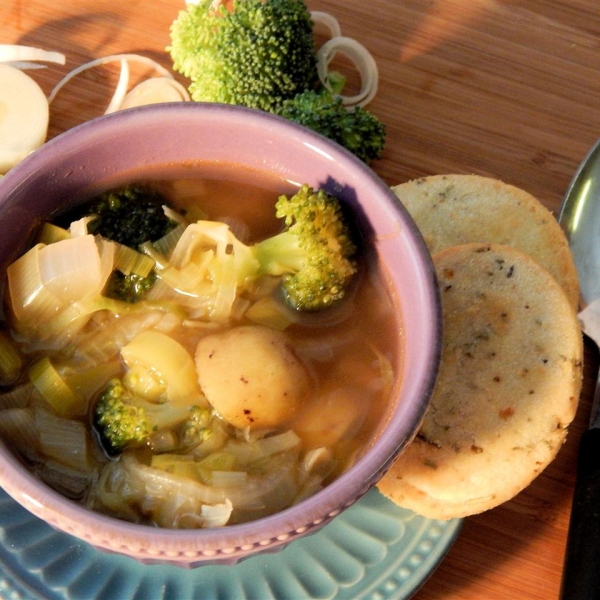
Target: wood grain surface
(504, 88)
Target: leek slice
(228, 478)
(166, 244)
(51, 233)
(219, 461)
(11, 361)
(24, 116)
(88, 381)
(31, 302)
(19, 429)
(63, 439)
(127, 260)
(269, 312)
(54, 389)
(71, 269)
(171, 362)
(248, 452)
(17, 397)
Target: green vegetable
(129, 288)
(356, 129)
(315, 254)
(261, 54)
(123, 420)
(257, 54)
(196, 429)
(130, 216)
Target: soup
(234, 407)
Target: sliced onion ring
(362, 59)
(27, 56)
(120, 92)
(154, 91)
(329, 21)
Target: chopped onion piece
(329, 21)
(24, 116)
(270, 312)
(362, 59)
(10, 53)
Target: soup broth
(335, 370)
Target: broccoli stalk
(315, 254)
(123, 420)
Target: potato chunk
(251, 376)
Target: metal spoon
(580, 219)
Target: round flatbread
(460, 209)
(508, 385)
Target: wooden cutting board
(504, 88)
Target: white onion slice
(362, 59)
(329, 21)
(162, 71)
(24, 116)
(155, 91)
(26, 56)
(120, 90)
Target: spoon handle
(581, 575)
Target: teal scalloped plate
(374, 550)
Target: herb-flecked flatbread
(459, 209)
(508, 385)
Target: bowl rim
(276, 529)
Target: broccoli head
(315, 254)
(130, 215)
(129, 288)
(358, 130)
(257, 53)
(123, 420)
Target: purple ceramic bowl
(111, 148)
